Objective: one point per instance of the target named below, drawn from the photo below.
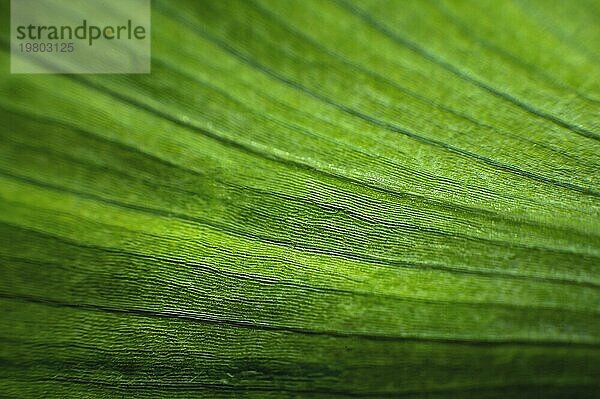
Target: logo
(80, 36)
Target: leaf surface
(310, 199)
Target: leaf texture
(310, 199)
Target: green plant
(310, 199)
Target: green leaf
(310, 199)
